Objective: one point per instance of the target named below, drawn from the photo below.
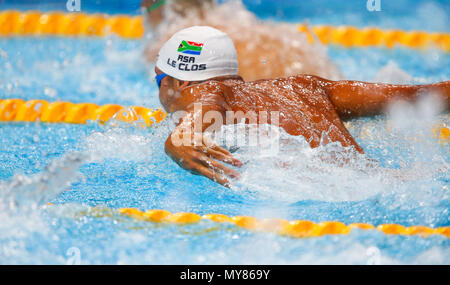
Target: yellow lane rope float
(66, 112)
(18, 110)
(31, 23)
(348, 36)
(442, 132)
(299, 228)
(35, 23)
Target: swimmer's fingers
(220, 149)
(227, 158)
(199, 163)
(220, 154)
(213, 175)
(218, 167)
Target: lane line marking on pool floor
(36, 23)
(18, 110)
(297, 228)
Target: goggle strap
(156, 5)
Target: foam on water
(60, 227)
(21, 202)
(119, 143)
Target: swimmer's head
(198, 53)
(189, 57)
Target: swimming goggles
(159, 78)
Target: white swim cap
(198, 53)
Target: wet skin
(307, 106)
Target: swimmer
(265, 49)
(197, 72)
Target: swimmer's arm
(354, 98)
(197, 154)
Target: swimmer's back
(303, 105)
(292, 93)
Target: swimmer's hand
(202, 160)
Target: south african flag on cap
(189, 47)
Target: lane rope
(19, 110)
(297, 228)
(349, 37)
(36, 23)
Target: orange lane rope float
(19, 110)
(348, 36)
(36, 23)
(442, 132)
(298, 229)
(31, 23)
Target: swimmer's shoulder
(210, 86)
(298, 78)
(209, 90)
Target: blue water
(87, 170)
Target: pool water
(89, 170)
